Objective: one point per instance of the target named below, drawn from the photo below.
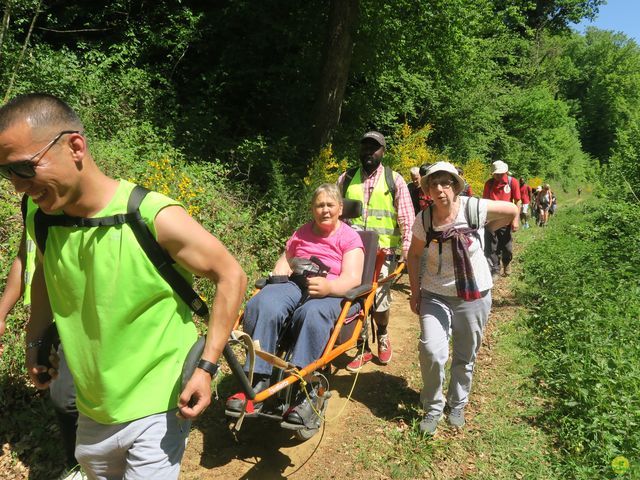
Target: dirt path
(262, 450)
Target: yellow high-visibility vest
(381, 215)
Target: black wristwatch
(209, 367)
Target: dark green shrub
(582, 285)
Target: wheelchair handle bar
(238, 372)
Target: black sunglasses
(27, 168)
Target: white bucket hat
(499, 167)
(450, 169)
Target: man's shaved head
(40, 111)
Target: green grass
(581, 286)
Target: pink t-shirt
(330, 250)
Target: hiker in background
(124, 332)
(525, 197)
(554, 204)
(20, 273)
(387, 210)
(466, 190)
(534, 204)
(414, 188)
(498, 245)
(543, 202)
(62, 391)
(425, 200)
(579, 191)
(453, 298)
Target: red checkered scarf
(460, 238)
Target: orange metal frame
(332, 351)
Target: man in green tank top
(124, 329)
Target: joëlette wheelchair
(278, 397)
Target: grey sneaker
(429, 424)
(456, 417)
(75, 473)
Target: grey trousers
(147, 448)
(441, 318)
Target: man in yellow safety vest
(387, 210)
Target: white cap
(449, 168)
(499, 167)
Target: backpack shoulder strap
(391, 183)
(41, 229)
(156, 254)
(427, 223)
(472, 215)
(160, 259)
(24, 208)
(472, 212)
(346, 181)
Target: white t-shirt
(445, 283)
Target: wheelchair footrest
(236, 414)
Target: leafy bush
(582, 287)
(410, 149)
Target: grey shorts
(149, 447)
(383, 294)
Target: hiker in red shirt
(497, 244)
(525, 196)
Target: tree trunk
(16, 67)
(338, 49)
(5, 24)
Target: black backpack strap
(346, 180)
(160, 259)
(41, 229)
(24, 208)
(42, 222)
(391, 183)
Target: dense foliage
(582, 287)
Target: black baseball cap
(377, 136)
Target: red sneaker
(358, 362)
(384, 349)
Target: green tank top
(124, 330)
(30, 257)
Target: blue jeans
(267, 311)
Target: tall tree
(5, 23)
(337, 54)
(16, 67)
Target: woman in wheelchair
(310, 303)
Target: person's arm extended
(406, 214)
(350, 276)
(501, 214)
(413, 265)
(194, 248)
(13, 289)
(40, 318)
(15, 286)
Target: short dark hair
(40, 110)
(423, 168)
